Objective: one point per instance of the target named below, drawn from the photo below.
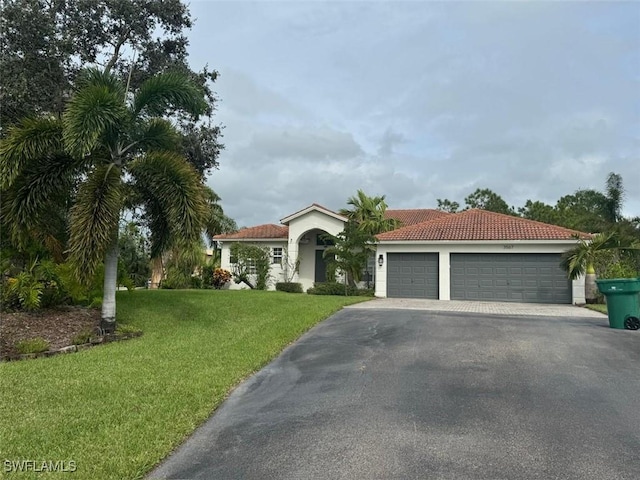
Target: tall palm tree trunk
(156, 271)
(590, 286)
(108, 320)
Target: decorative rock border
(93, 341)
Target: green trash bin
(623, 301)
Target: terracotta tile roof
(415, 215)
(261, 231)
(480, 225)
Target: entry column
(444, 275)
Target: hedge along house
(471, 255)
(478, 255)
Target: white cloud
(420, 100)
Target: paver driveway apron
(400, 393)
(498, 308)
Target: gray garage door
(506, 277)
(412, 275)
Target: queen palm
(111, 150)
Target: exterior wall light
(380, 260)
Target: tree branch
(116, 52)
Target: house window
(277, 255)
(251, 267)
(251, 264)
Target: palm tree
(369, 214)
(110, 151)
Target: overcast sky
(419, 100)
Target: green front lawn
(118, 409)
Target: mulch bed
(58, 326)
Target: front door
(321, 267)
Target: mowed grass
(118, 409)
(597, 307)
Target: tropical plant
(368, 213)
(582, 258)
(350, 252)
(216, 221)
(220, 278)
(110, 151)
(250, 264)
(36, 286)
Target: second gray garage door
(528, 278)
(412, 275)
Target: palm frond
(169, 90)
(160, 231)
(216, 222)
(157, 134)
(93, 111)
(173, 189)
(26, 141)
(96, 77)
(94, 219)
(35, 205)
(578, 260)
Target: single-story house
(470, 255)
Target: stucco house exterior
(471, 255)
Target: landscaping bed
(57, 326)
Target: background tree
(614, 198)
(120, 152)
(485, 199)
(584, 210)
(447, 205)
(540, 212)
(134, 258)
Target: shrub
(220, 278)
(291, 287)
(177, 278)
(96, 303)
(79, 293)
(196, 282)
(32, 345)
(37, 286)
(327, 288)
(334, 288)
(82, 338)
(620, 269)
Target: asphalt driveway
(372, 394)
